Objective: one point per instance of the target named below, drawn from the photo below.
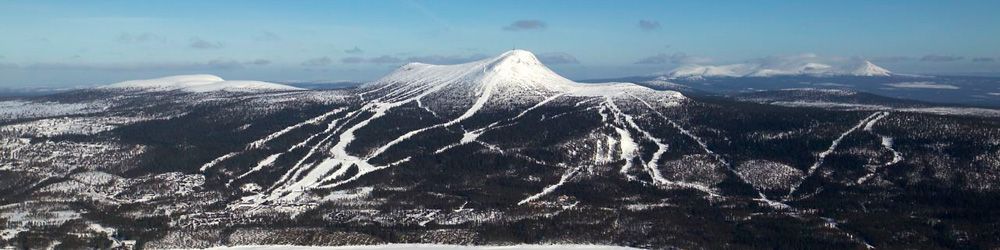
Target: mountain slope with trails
(494, 152)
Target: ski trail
(628, 148)
(297, 169)
(471, 136)
(704, 147)
(341, 159)
(697, 139)
(551, 188)
(362, 94)
(626, 145)
(661, 147)
(275, 135)
(833, 147)
(217, 161)
(421, 105)
(480, 102)
(359, 175)
(339, 151)
(831, 223)
(260, 142)
(887, 144)
(468, 136)
(650, 166)
(871, 123)
(270, 159)
(260, 165)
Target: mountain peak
(509, 77)
(519, 56)
(514, 67)
(868, 68)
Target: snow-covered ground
(426, 246)
(17, 109)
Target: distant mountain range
(198, 83)
(862, 68)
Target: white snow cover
(513, 80)
(515, 71)
(426, 246)
(790, 68)
(198, 84)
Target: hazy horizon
(83, 43)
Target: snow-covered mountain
(511, 73)
(500, 151)
(868, 68)
(862, 68)
(198, 84)
(466, 97)
(510, 80)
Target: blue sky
(75, 43)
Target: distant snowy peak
(868, 68)
(198, 84)
(865, 68)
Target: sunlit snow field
(428, 246)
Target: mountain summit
(513, 78)
(867, 68)
(516, 68)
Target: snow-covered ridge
(862, 68)
(199, 84)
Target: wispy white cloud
(198, 43)
(520, 25)
(218, 64)
(128, 37)
(648, 25)
(555, 58)
(446, 59)
(984, 59)
(318, 61)
(354, 50)
(941, 58)
(675, 58)
(267, 36)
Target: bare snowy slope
(198, 84)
